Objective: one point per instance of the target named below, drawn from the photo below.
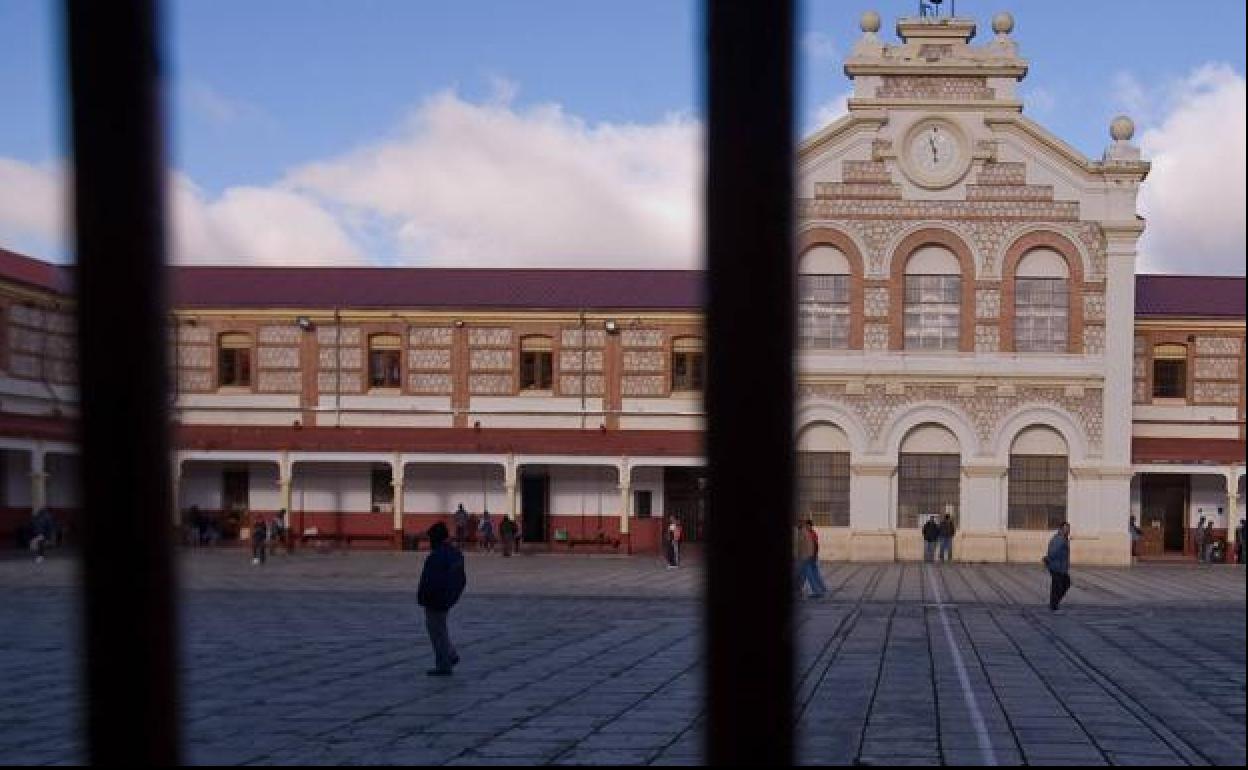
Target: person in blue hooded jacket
(442, 582)
(1057, 561)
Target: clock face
(935, 154)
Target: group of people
(266, 534)
(508, 531)
(1204, 540)
(938, 533)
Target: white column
(981, 531)
(509, 489)
(1233, 515)
(38, 478)
(396, 482)
(872, 511)
(175, 493)
(626, 490)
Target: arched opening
(1042, 302)
(1039, 476)
(823, 475)
(929, 471)
(823, 283)
(932, 317)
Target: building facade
(974, 341)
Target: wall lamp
(611, 326)
(305, 323)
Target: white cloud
(222, 110)
(1039, 100)
(828, 112)
(492, 185)
(1194, 196)
(820, 45)
(32, 206)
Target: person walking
(1057, 561)
(947, 531)
(1198, 538)
(807, 555)
(677, 532)
(1134, 531)
(461, 525)
(42, 528)
(931, 533)
(1209, 540)
(486, 531)
(442, 582)
(507, 531)
(259, 540)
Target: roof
(34, 272)
(435, 287)
(1189, 296)
(1220, 451)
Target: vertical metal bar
(128, 582)
(749, 395)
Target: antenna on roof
(931, 8)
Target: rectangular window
(536, 370)
(382, 490)
(234, 367)
(687, 371)
(1170, 371)
(1041, 313)
(927, 485)
(643, 503)
(933, 312)
(823, 488)
(1037, 492)
(384, 369)
(823, 311)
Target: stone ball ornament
(870, 22)
(1003, 23)
(1122, 128)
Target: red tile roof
(1189, 296)
(34, 272)
(1187, 450)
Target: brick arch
(931, 236)
(1074, 267)
(828, 236)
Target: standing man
(461, 525)
(42, 530)
(931, 533)
(507, 530)
(486, 530)
(1057, 561)
(808, 560)
(259, 540)
(1198, 538)
(1134, 531)
(442, 582)
(947, 531)
(1209, 541)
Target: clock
(934, 153)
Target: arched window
(385, 368)
(688, 364)
(536, 363)
(933, 300)
(1042, 303)
(929, 471)
(823, 476)
(1170, 371)
(823, 299)
(234, 360)
(1038, 480)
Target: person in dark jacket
(931, 533)
(43, 529)
(507, 530)
(442, 582)
(947, 531)
(259, 541)
(1057, 561)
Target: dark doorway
(235, 500)
(1163, 512)
(683, 497)
(534, 502)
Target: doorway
(1163, 513)
(684, 493)
(235, 500)
(534, 505)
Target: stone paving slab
(319, 659)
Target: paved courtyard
(320, 659)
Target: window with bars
(385, 361)
(537, 367)
(234, 360)
(823, 488)
(823, 311)
(927, 485)
(1170, 371)
(1037, 491)
(688, 364)
(1041, 312)
(933, 312)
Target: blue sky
(264, 89)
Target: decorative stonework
(489, 337)
(944, 88)
(195, 357)
(190, 335)
(329, 335)
(488, 359)
(27, 316)
(429, 359)
(27, 366)
(278, 382)
(1217, 368)
(1140, 392)
(1023, 193)
(280, 335)
(570, 385)
(351, 381)
(865, 172)
(25, 340)
(61, 323)
(490, 384)
(195, 380)
(1139, 368)
(643, 338)
(857, 191)
(986, 407)
(594, 338)
(642, 385)
(1011, 174)
(987, 303)
(875, 302)
(875, 336)
(570, 360)
(429, 384)
(1093, 339)
(643, 361)
(1218, 346)
(1093, 306)
(1216, 392)
(278, 358)
(987, 338)
(430, 337)
(352, 358)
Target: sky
(566, 132)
